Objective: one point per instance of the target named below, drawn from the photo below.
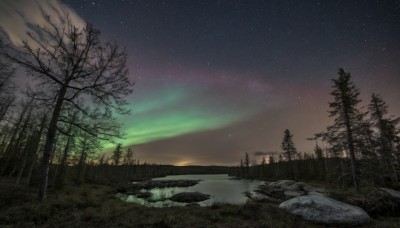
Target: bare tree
(6, 73)
(70, 65)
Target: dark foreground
(92, 205)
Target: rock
(391, 192)
(298, 186)
(309, 188)
(325, 210)
(291, 194)
(264, 198)
(269, 193)
(316, 193)
(282, 184)
(189, 197)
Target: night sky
(216, 79)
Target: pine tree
(387, 134)
(241, 168)
(319, 153)
(117, 154)
(344, 109)
(128, 156)
(247, 163)
(289, 150)
(263, 166)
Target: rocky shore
(315, 203)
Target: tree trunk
(4, 110)
(18, 145)
(354, 169)
(35, 148)
(26, 153)
(60, 175)
(290, 162)
(12, 143)
(50, 138)
(80, 167)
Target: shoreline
(94, 205)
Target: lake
(221, 187)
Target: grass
(92, 205)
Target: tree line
(360, 148)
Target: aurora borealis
(215, 79)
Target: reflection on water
(220, 187)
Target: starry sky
(215, 79)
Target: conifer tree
(387, 133)
(128, 156)
(344, 109)
(289, 150)
(117, 154)
(247, 163)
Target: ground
(93, 205)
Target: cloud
(17, 17)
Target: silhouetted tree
(387, 134)
(344, 109)
(128, 156)
(241, 168)
(17, 135)
(70, 63)
(117, 154)
(34, 150)
(289, 150)
(247, 163)
(6, 74)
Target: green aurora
(170, 112)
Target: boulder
(282, 184)
(309, 188)
(190, 197)
(391, 192)
(321, 209)
(291, 194)
(298, 186)
(316, 193)
(265, 198)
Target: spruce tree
(344, 109)
(117, 154)
(247, 164)
(387, 133)
(289, 150)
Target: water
(220, 187)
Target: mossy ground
(93, 205)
